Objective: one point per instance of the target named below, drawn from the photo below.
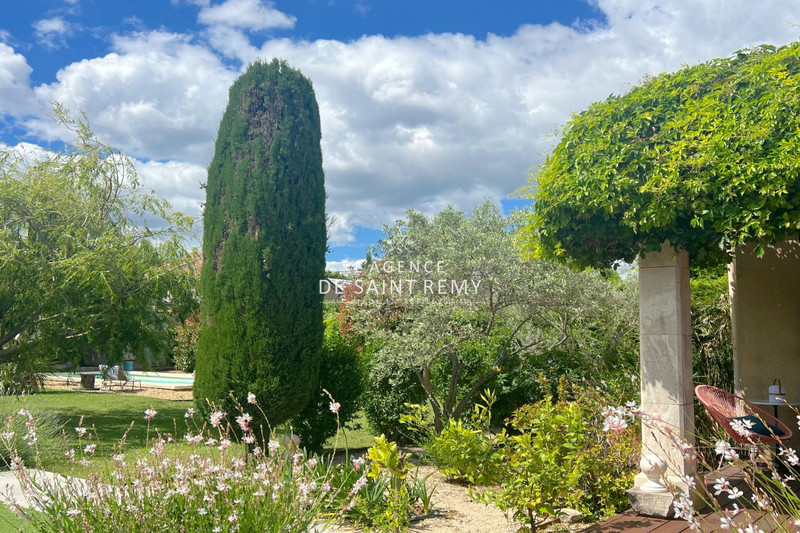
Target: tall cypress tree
(263, 247)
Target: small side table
(88, 379)
(762, 402)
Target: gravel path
(455, 511)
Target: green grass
(352, 439)
(108, 416)
(9, 522)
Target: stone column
(666, 369)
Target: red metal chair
(723, 406)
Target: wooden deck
(632, 523)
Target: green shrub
(385, 399)
(28, 433)
(185, 343)
(341, 374)
(24, 376)
(559, 456)
(463, 451)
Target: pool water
(153, 378)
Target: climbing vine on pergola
(706, 157)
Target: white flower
(81, 431)
(193, 439)
(251, 398)
(224, 444)
(73, 513)
(358, 463)
(216, 418)
(614, 423)
(90, 448)
(724, 449)
(189, 413)
(244, 421)
(358, 485)
(742, 427)
(150, 413)
(734, 493)
(334, 407)
(791, 456)
(722, 485)
(273, 446)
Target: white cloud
(246, 14)
(158, 95)
(52, 32)
(178, 181)
(407, 122)
(345, 265)
(16, 96)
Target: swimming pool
(163, 380)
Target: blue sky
(423, 103)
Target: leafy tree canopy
(706, 157)
(88, 258)
(454, 284)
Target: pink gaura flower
(216, 418)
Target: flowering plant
(225, 481)
(761, 495)
(217, 485)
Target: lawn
(9, 522)
(110, 415)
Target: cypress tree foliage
(264, 248)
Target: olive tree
(449, 284)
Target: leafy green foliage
(89, 260)
(497, 309)
(463, 451)
(705, 157)
(264, 247)
(388, 389)
(712, 345)
(387, 461)
(559, 456)
(341, 374)
(185, 343)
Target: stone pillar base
(657, 504)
